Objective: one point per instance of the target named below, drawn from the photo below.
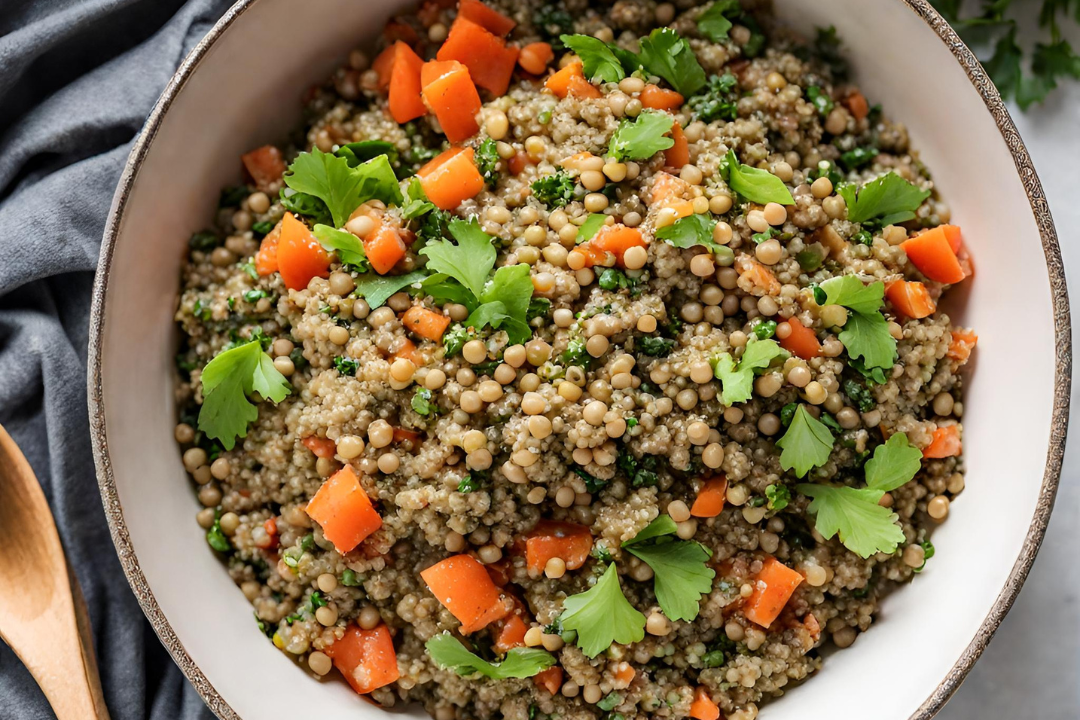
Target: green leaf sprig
(681, 574)
(449, 654)
(227, 382)
(601, 616)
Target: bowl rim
(1058, 422)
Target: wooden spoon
(42, 612)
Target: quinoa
(611, 415)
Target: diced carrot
(550, 679)
(425, 323)
(511, 633)
(703, 707)
(812, 626)
(265, 165)
(910, 299)
(405, 101)
(451, 178)
(464, 588)
(344, 511)
(615, 239)
(266, 259)
(944, 443)
(450, 93)
(300, 256)
(582, 89)
(773, 587)
(384, 248)
(678, 154)
(657, 98)
(519, 162)
(402, 435)
(320, 447)
(954, 236)
(625, 673)
(571, 82)
(489, 59)
(535, 57)
(931, 252)
(491, 20)
(759, 276)
(667, 189)
(407, 350)
(396, 31)
(856, 104)
(365, 658)
(552, 539)
(963, 342)
(801, 341)
(384, 67)
(710, 499)
(271, 542)
(270, 526)
(499, 571)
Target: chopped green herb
(716, 21)
(349, 578)
(487, 162)
(592, 484)
(765, 329)
(472, 482)
(655, 346)
(928, 552)
(860, 156)
(204, 240)
(860, 395)
(261, 229)
(346, 365)
(422, 402)
(719, 100)
(553, 21)
(216, 538)
(694, 230)
(615, 279)
(554, 190)
(575, 353)
(609, 702)
(809, 260)
(249, 268)
(538, 308)
(820, 100)
(376, 289)
(778, 496)
(863, 237)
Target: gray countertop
(1032, 667)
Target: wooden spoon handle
(42, 613)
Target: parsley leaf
(449, 654)
(305, 205)
(227, 382)
(504, 303)
(358, 152)
(865, 527)
(738, 379)
(590, 227)
(665, 53)
(340, 187)
(778, 496)
(806, 444)
(377, 289)
(866, 332)
(715, 22)
(554, 190)
(468, 262)
(680, 573)
(487, 162)
(887, 200)
(418, 203)
(216, 537)
(601, 616)
(600, 63)
(642, 138)
(756, 185)
(820, 100)
(348, 247)
(422, 402)
(695, 230)
(894, 463)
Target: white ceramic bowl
(241, 87)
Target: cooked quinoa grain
(562, 339)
